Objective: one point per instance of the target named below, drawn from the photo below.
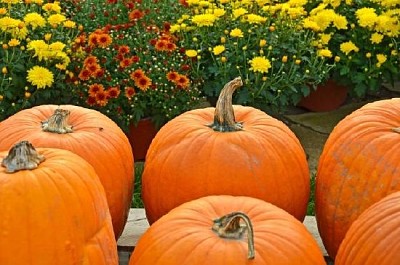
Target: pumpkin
(358, 166)
(53, 210)
(224, 229)
(87, 133)
(373, 238)
(192, 157)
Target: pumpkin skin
(373, 238)
(184, 236)
(96, 138)
(358, 166)
(188, 160)
(55, 214)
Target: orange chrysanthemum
(123, 49)
(129, 92)
(90, 60)
(172, 76)
(137, 74)
(125, 62)
(161, 45)
(135, 14)
(101, 98)
(143, 83)
(104, 40)
(182, 81)
(113, 92)
(93, 39)
(99, 73)
(84, 74)
(94, 89)
(92, 68)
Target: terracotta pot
(140, 137)
(328, 96)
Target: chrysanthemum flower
(217, 50)
(191, 53)
(143, 83)
(113, 92)
(129, 92)
(40, 77)
(325, 53)
(34, 20)
(101, 98)
(348, 47)
(182, 81)
(172, 76)
(94, 89)
(56, 19)
(204, 20)
(236, 33)
(260, 64)
(137, 74)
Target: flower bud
(284, 59)
(4, 70)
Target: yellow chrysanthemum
(69, 24)
(236, 33)
(325, 38)
(381, 59)
(10, 1)
(217, 50)
(3, 11)
(52, 7)
(56, 19)
(40, 48)
(191, 53)
(204, 20)
(260, 64)
(40, 77)
(239, 12)
(325, 53)
(218, 12)
(13, 43)
(34, 20)
(255, 19)
(348, 47)
(376, 38)
(339, 21)
(57, 46)
(366, 17)
(310, 24)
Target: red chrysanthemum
(113, 92)
(161, 45)
(91, 101)
(170, 46)
(129, 92)
(135, 59)
(99, 73)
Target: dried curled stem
(224, 116)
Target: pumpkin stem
(228, 226)
(58, 122)
(396, 130)
(22, 156)
(224, 116)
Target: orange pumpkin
(358, 166)
(210, 230)
(373, 238)
(53, 210)
(87, 133)
(192, 157)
